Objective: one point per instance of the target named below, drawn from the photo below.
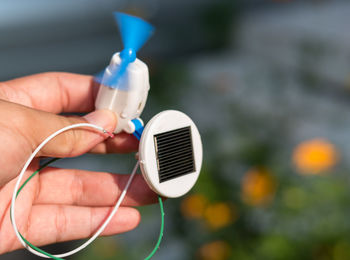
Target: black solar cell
(174, 153)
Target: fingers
(85, 188)
(54, 92)
(76, 141)
(56, 223)
(121, 143)
(35, 126)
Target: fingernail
(103, 118)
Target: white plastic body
(166, 121)
(128, 100)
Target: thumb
(103, 118)
(76, 141)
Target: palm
(59, 204)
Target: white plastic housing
(129, 98)
(163, 122)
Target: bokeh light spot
(314, 156)
(217, 250)
(193, 206)
(220, 215)
(258, 187)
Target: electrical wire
(39, 252)
(31, 157)
(161, 232)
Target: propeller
(134, 32)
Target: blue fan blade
(99, 76)
(134, 31)
(114, 80)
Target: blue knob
(129, 55)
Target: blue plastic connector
(138, 128)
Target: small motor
(127, 98)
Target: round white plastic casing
(129, 97)
(163, 122)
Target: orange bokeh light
(193, 206)
(217, 250)
(258, 187)
(314, 156)
(219, 215)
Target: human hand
(60, 204)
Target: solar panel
(174, 153)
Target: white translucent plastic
(127, 100)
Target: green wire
(57, 258)
(161, 230)
(34, 173)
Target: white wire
(103, 226)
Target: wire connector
(138, 127)
(111, 135)
(135, 127)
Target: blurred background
(268, 84)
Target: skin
(60, 204)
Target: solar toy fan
(170, 150)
